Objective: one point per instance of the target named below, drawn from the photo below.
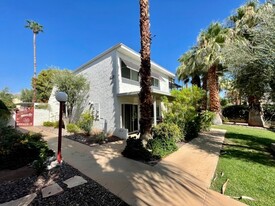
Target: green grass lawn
(248, 164)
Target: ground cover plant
(247, 162)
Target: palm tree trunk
(204, 87)
(145, 96)
(34, 67)
(214, 104)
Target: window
(171, 83)
(155, 82)
(125, 71)
(128, 73)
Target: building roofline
(127, 49)
(82, 67)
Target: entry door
(130, 117)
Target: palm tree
(189, 67)
(36, 28)
(145, 97)
(211, 41)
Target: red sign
(24, 117)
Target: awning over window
(135, 67)
(130, 64)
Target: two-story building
(114, 87)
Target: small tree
(44, 84)
(26, 95)
(76, 87)
(6, 97)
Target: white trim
(155, 111)
(154, 91)
(128, 52)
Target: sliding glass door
(130, 117)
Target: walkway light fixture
(62, 98)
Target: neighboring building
(114, 87)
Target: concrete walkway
(182, 178)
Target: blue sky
(76, 31)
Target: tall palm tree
(145, 96)
(211, 41)
(36, 28)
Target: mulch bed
(81, 137)
(90, 140)
(90, 193)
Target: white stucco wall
(11, 121)
(53, 107)
(102, 75)
(40, 116)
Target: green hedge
(235, 112)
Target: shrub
(192, 128)
(18, 149)
(99, 138)
(224, 102)
(56, 124)
(167, 131)
(72, 128)
(234, 112)
(86, 122)
(269, 112)
(134, 149)
(206, 119)
(184, 106)
(4, 114)
(162, 146)
(48, 124)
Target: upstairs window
(171, 83)
(155, 82)
(128, 73)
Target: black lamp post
(62, 98)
